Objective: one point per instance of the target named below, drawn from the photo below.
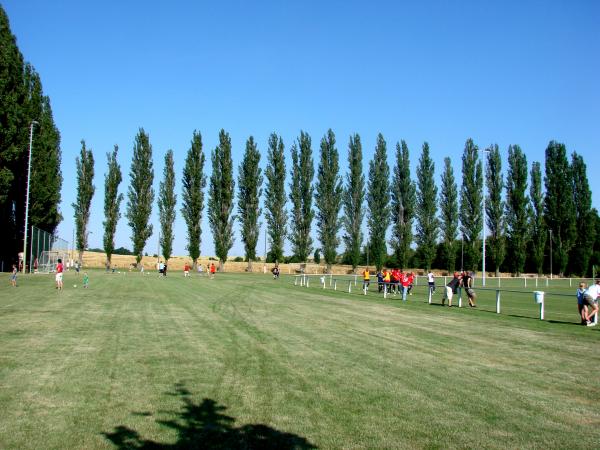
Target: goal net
(46, 249)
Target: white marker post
(460, 297)
(350, 287)
(498, 301)
(430, 293)
(538, 296)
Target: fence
(45, 249)
(518, 302)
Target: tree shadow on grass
(205, 426)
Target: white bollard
(538, 296)
(330, 279)
(525, 280)
(570, 280)
(323, 282)
(596, 319)
(384, 291)
(307, 281)
(295, 281)
(429, 300)
(350, 287)
(498, 281)
(498, 301)
(355, 276)
(335, 285)
(364, 289)
(536, 279)
(546, 281)
(459, 297)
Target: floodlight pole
(33, 122)
(485, 151)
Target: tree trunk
(195, 264)
(249, 269)
(328, 268)
(221, 265)
(80, 258)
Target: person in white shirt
(431, 281)
(590, 300)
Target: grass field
(243, 361)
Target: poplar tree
(427, 222)
(584, 218)
(220, 198)
(403, 200)
(471, 215)
(85, 191)
(275, 213)
(517, 213)
(140, 195)
(249, 192)
(494, 207)
(193, 183)
(167, 199)
(559, 210)
(538, 229)
(112, 203)
(378, 219)
(301, 194)
(449, 215)
(328, 199)
(353, 198)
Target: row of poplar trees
(22, 101)
(520, 215)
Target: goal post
(45, 249)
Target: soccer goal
(45, 251)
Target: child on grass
(13, 277)
(86, 280)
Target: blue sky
(522, 72)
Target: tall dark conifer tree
(559, 210)
(402, 206)
(85, 191)
(517, 211)
(193, 183)
(538, 229)
(494, 208)
(427, 221)
(220, 198)
(167, 199)
(449, 215)
(378, 219)
(471, 214)
(584, 218)
(112, 203)
(249, 192)
(328, 199)
(301, 194)
(353, 198)
(140, 195)
(275, 212)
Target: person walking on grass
(590, 300)
(59, 275)
(467, 281)
(582, 309)
(13, 276)
(366, 279)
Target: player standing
(59, 275)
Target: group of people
(587, 302)
(391, 281)
(463, 280)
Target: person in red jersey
(59, 275)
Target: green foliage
(517, 213)
(471, 215)
(328, 198)
(220, 198)
(378, 200)
(449, 216)
(402, 206)
(21, 102)
(317, 256)
(427, 222)
(193, 184)
(275, 212)
(301, 194)
(538, 229)
(559, 210)
(249, 192)
(85, 191)
(584, 218)
(167, 200)
(112, 202)
(352, 199)
(140, 194)
(494, 206)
